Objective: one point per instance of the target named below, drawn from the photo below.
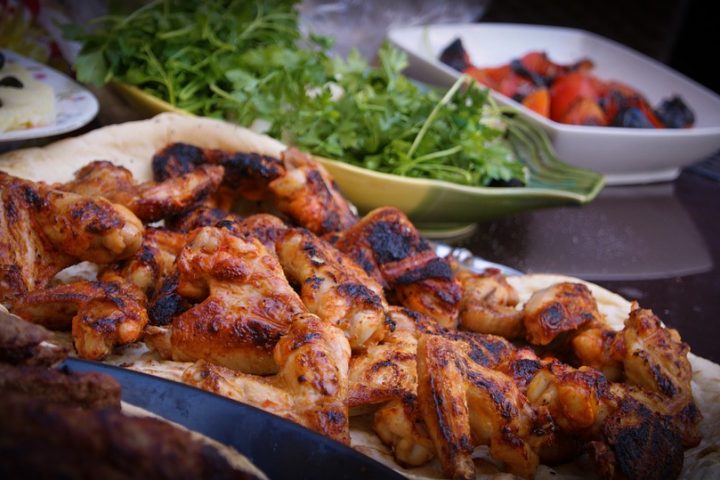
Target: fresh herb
(246, 61)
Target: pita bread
(133, 144)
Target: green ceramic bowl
(443, 206)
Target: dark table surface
(658, 244)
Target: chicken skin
(629, 434)
(246, 174)
(308, 195)
(387, 246)
(384, 372)
(149, 266)
(100, 315)
(202, 216)
(43, 231)
(245, 304)
(333, 287)
(488, 303)
(150, 201)
(387, 373)
(310, 388)
(560, 308)
(465, 404)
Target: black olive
(674, 113)
(2, 60)
(1, 104)
(455, 57)
(11, 81)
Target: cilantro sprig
(246, 61)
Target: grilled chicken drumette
(150, 201)
(333, 287)
(296, 184)
(488, 303)
(307, 194)
(387, 246)
(310, 387)
(43, 231)
(244, 304)
(101, 315)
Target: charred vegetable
(570, 93)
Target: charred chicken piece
(560, 308)
(202, 216)
(647, 355)
(43, 231)
(266, 393)
(307, 194)
(150, 201)
(655, 359)
(488, 303)
(246, 174)
(630, 434)
(100, 315)
(148, 267)
(310, 388)
(388, 370)
(388, 246)
(399, 425)
(262, 226)
(464, 405)
(245, 304)
(333, 287)
(314, 358)
(637, 443)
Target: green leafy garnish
(246, 61)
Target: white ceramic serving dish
(75, 105)
(624, 155)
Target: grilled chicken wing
(465, 404)
(265, 393)
(308, 195)
(149, 266)
(333, 287)
(399, 425)
(43, 231)
(245, 304)
(387, 370)
(101, 315)
(246, 174)
(630, 434)
(655, 359)
(262, 226)
(387, 246)
(149, 201)
(202, 216)
(488, 303)
(314, 357)
(311, 385)
(560, 308)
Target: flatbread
(133, 144)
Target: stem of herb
(443, 101)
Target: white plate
(624, 155)
(75, 105)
